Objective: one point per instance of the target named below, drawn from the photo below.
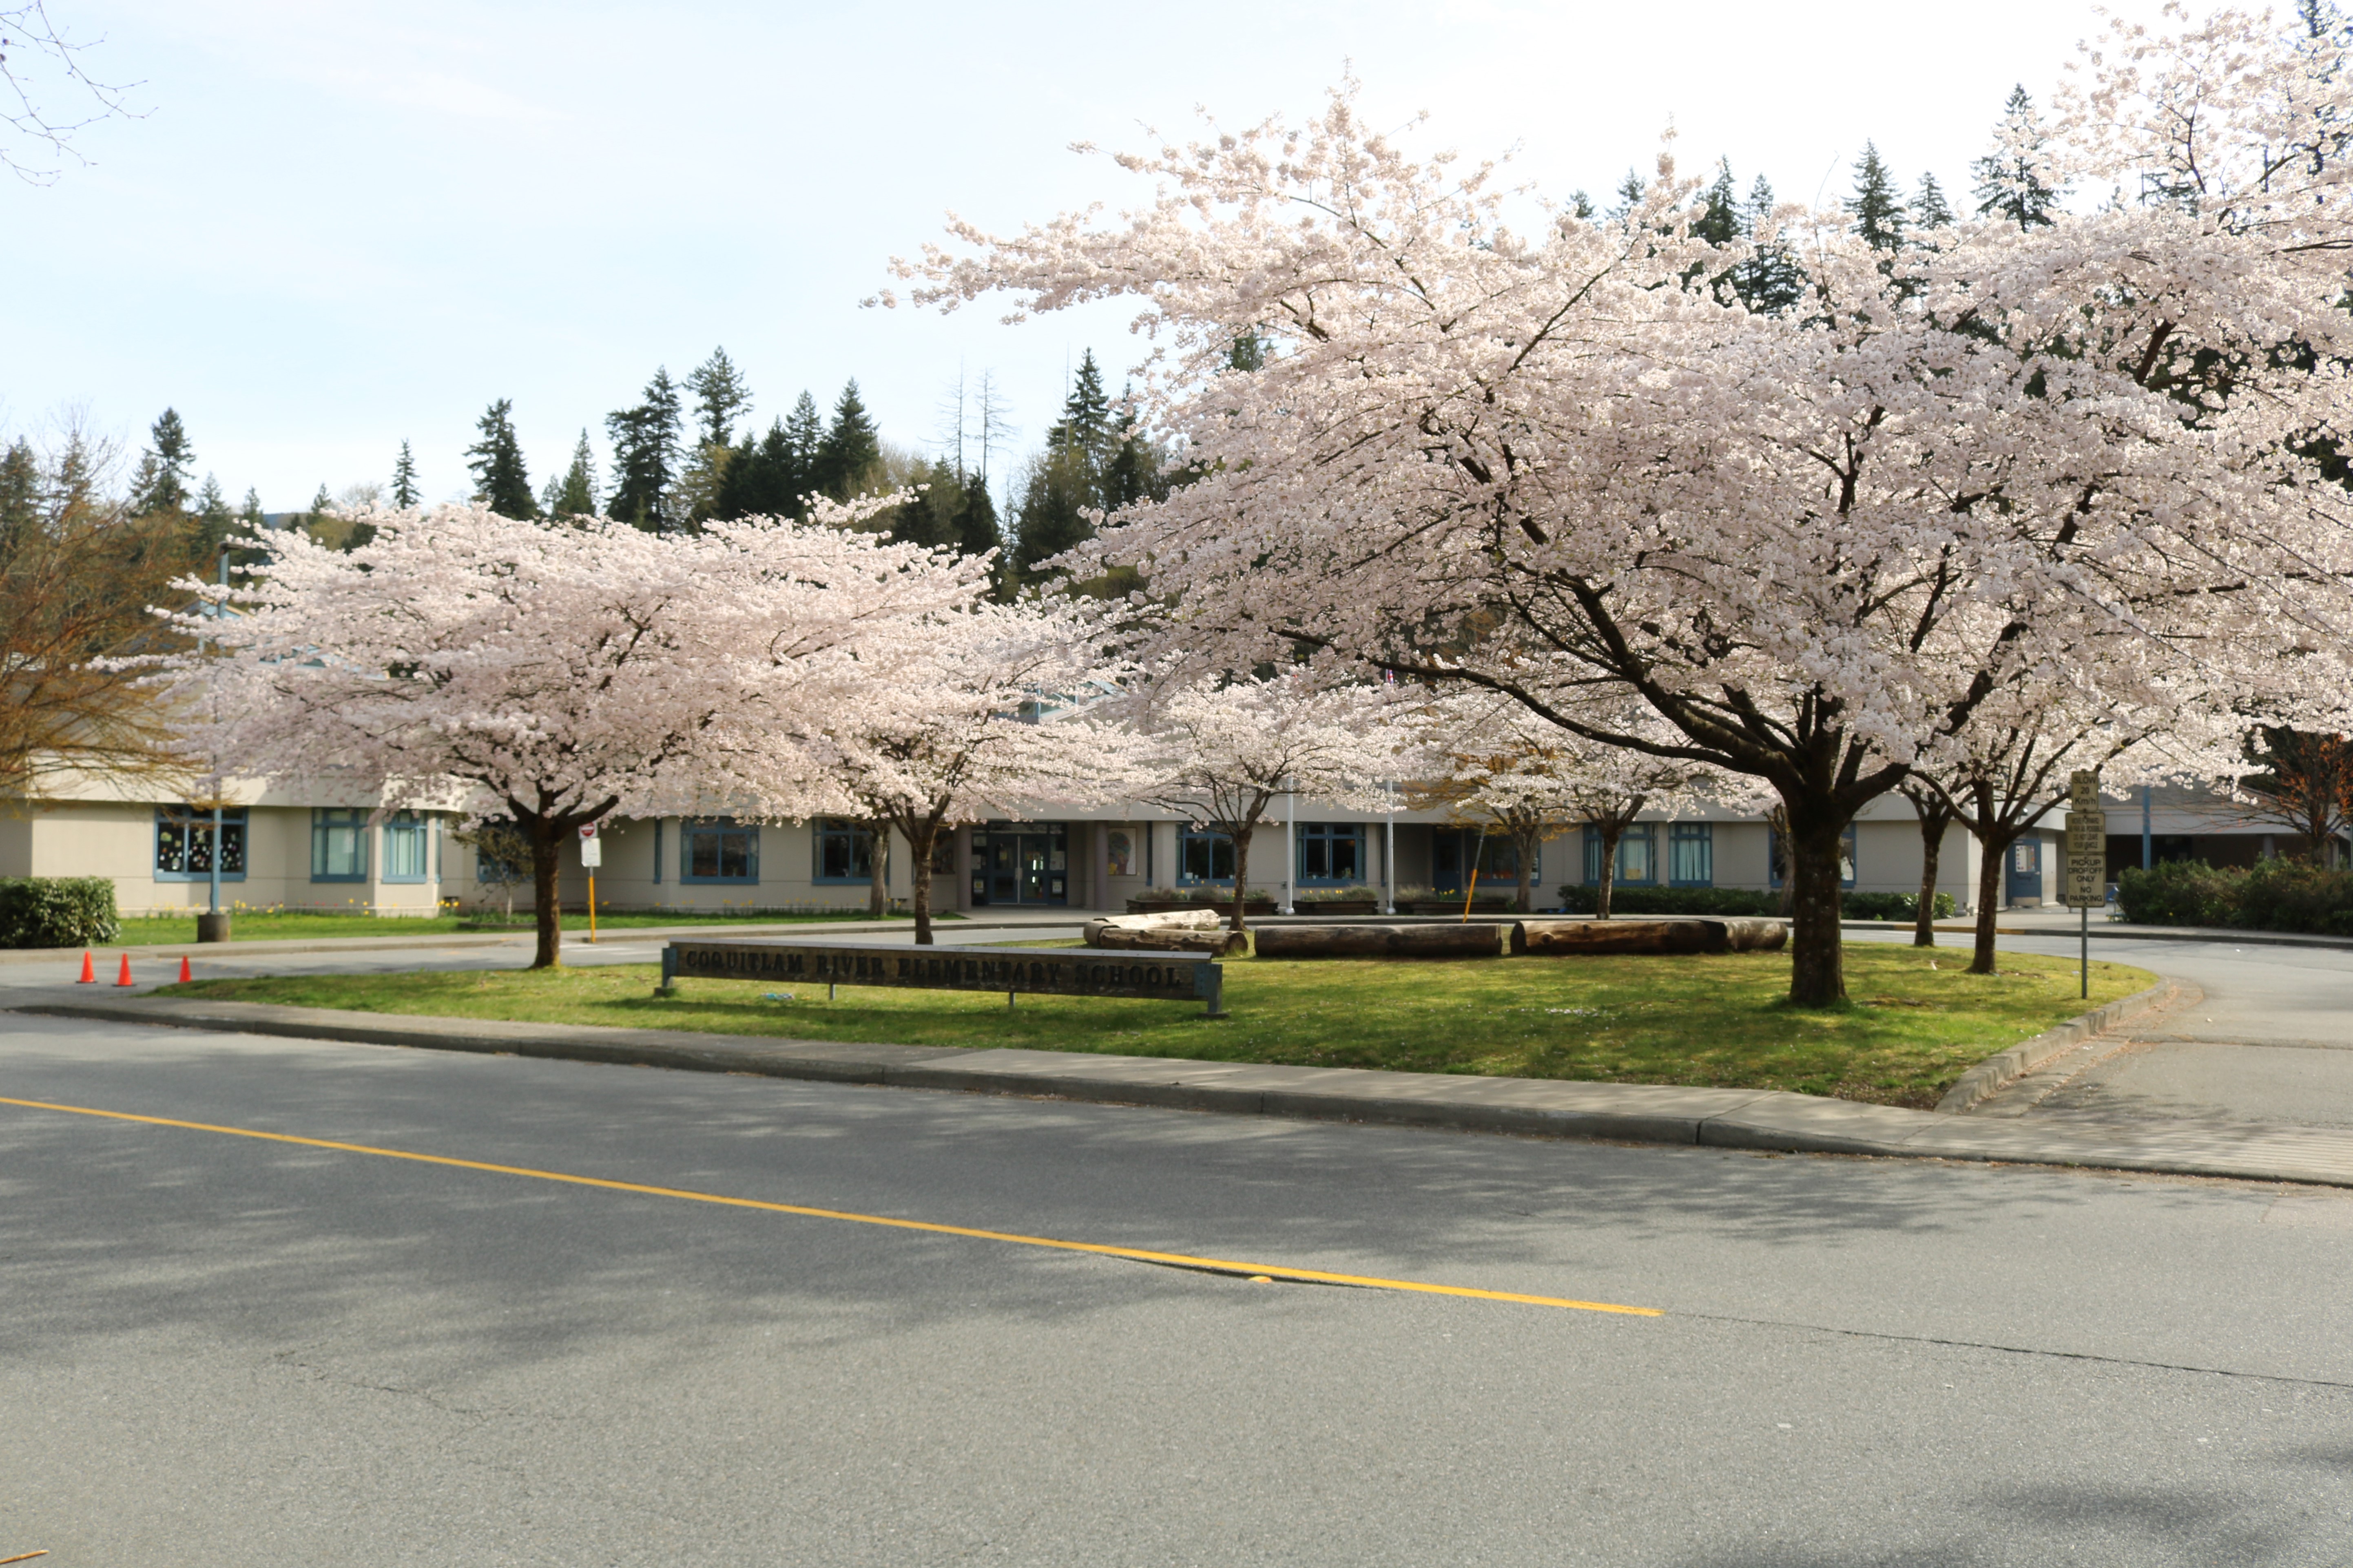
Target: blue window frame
(718, 850)
(183, 843)
(408, 848)
(1638, 856)
(1331, 854)
(1204, 855)
(1690, 855)
(339, 844)
(845, 852)
(1451, 857)
(658, 848)
(1846, 857)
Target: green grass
(283, 925)
(1906, 1034)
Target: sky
(333, 227)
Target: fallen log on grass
(1600, 938)
(1451, 939)
(1188, 931)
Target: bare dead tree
(35, 54)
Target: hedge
(1578, 899)
(57, 911)
(2277, 895)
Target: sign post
(2087, 860)
(592, 855)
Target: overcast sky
(342, 225)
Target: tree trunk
(1990, 867)
(1933, 823)
(1242, 872)
(547, 838)
(1524, 843)
(1611, 833)
(921, 836)
(877, 860)
(1816, 960)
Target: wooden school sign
(1049, 972)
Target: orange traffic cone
(184, 975)
(88, 970)
(125, 978)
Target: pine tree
(1134, 474)
(215, 520)
(575, 494)
(721, 396)
(1768, 282)
(1630, 194)
(404, 492)
(21, 484)
(1085, 426)
(1877, 210)
(1929, 209)
(160, 484)
(849, 457)
(1719, 222)
(1055, 496)
(250, 513)
(499, 480)
(645, 453)
(2013, 180)
(977, 530)
(930, 518)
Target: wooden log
(1128, 933)
(1756, 936)
(1601, 937)
(1448, 941)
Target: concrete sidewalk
(1643, 1113)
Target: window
(1846, 857)
(183, 843)
(720, 850)
(845, 851)
(658, 826)
(1638, 855)
(1497, 859)
(1204, 855)
(1331, 853)
(1690, 855)
(943, 853)
(338, 845)
(408, 848)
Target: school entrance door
(1022, 863)
(2026, 871)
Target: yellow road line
(1184, 1260)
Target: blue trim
(720, 828)
(1329, 834)
(199, 824)
(1188, 836)
(1773, 858)
(325, 820)
(1641, 832)
(657, 827)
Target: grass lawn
(282, 925)
(1906, 1034)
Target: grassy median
(1915, 1021)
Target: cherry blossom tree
(983, 710)
(1227, 750)
(549, 674)
(1486, 440)
(1493, 761)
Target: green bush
(2296, 895)
(56, 911)
(1578, 899)
(2179, 893)
(1893, 907)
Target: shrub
(57, 911)
(1580, 899)
(1893, 907)
(2296, 895)
(2179, 893)
(1338, 895)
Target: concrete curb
(1769, 1119)
(1999, 1071)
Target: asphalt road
(222, 1349)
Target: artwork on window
(183, 842)
(1119, 852)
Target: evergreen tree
(2013, 180)
(1085, 426)
(1719, 223)
(21, 484)
(930, 518)
(849, 457)
(215, 520)
(161, 483)
(645, 453)
(1877, 210)
(977, 530)
(1580, 206)
(1630, 194)
(575, 494)
(1768, 282)
(250, 513)
(499, 480)
(1055, 495)
(1929, 209)
(721, 396)
(767, 478)
(404, 492)
(1132, 474)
